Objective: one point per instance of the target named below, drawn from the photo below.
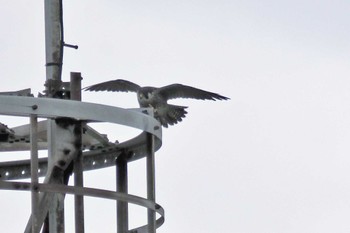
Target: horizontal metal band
(95, 159)
(53, 108)
(107, 194)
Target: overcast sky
(275, 158)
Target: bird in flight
(167, 114)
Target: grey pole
(34, 171)
(53, 39)
(151, 193)
(53, 50)
(75, 94)
(122, 187)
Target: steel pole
(53, 50)
(53, 39)
(75, 94)
(122, 187)
(34, 171)
(151, 192)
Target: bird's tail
(172, 115)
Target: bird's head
(142, 96)
(145, 93)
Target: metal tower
(72, 145)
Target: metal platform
(98, 151)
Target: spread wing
(114, 85)
(174, 91)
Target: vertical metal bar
(75, 93)
(151, 192)
(75, 86)
(56, 204)
(56, 215)
(34, 171)
(122, 186)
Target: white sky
(275, 158)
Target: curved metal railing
(105, 155)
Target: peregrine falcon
(157, 98)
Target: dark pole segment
(53, 39)
(122, 187)
(75, 86)
(34, 171)
(75, 94)
(151, 192)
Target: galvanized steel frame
(139, 147)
